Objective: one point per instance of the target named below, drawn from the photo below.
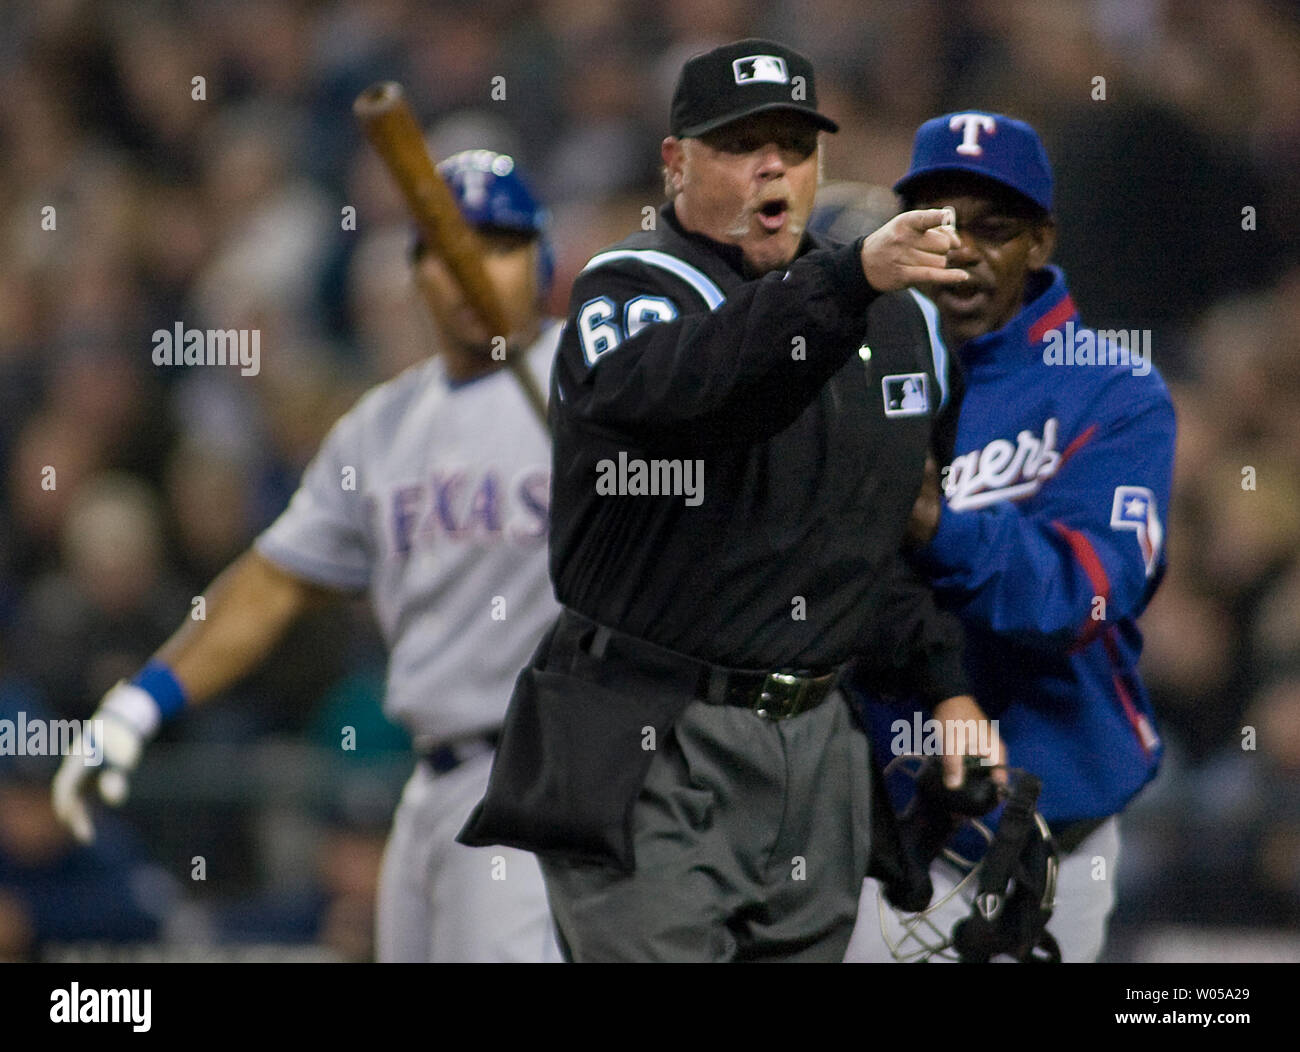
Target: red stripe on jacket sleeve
(1091, 563)
(1075, 446)
(1146, 734)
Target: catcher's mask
(1012, 885)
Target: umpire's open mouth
(772, 214)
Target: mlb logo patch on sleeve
(1135, 509)
(754, 69)
(906, 394)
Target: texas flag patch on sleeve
(1135, 509)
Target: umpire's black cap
(735, 80)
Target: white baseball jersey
(434, 496)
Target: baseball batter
(1049, 543)
(432, 495)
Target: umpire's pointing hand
(911, 249)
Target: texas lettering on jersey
(457, 505)
(1002, 470)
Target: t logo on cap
(755, 68)
(970, 125)
(1011, 154)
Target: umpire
(741, 417)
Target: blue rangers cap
(991, 145)
(492, 195)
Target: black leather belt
(775, 695)
(772, 695)
(445, 758)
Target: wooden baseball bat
(392, 130)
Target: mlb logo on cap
(740, 79)
(992, 145)
(755, 68)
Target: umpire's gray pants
(751, 843)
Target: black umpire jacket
(734, 464)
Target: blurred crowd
(196, 162)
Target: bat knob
(378, 98)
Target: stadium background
(226, 213)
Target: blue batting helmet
(493, 196)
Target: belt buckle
(781, 696)
(787, 694)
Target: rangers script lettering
(1002, 471)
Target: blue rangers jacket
(1050, 545)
